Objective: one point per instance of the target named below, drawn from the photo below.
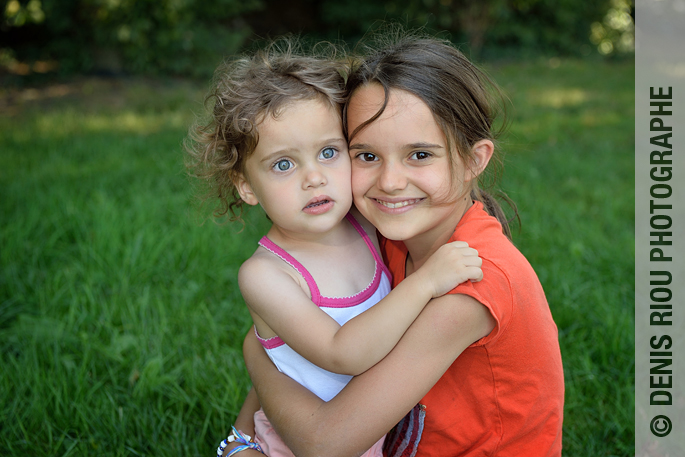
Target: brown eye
(367, 157)
(421, 155)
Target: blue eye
(328, 153)
(366, 157)
(283, 165)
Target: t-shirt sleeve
(493, 292)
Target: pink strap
(266, 243)
(369, 243)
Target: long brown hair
(464, 101)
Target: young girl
(479, 372)
(316, 286)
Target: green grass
(120, 318)
(570, 169)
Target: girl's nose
(391, 178)
(314, 177)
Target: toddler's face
(300, 171)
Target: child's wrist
(421, 282)
(236, 442)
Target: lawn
(120, 318)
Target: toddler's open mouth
(319, 205)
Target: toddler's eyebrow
(335, 140)
(281, 152)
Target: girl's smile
(397, 205)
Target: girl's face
(402, 181)
(300, 171)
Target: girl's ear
(245, 190)
(482, 153)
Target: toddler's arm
(373, 334)
(363, 341)
(245, 420)
(245, 423)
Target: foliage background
(120, 317)
(189, 37)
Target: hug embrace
(393, 314)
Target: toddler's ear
(245, 190)
(482, 153)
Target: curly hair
(245, 90)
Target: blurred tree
(615, 34)
(279, 17)
(560, 27)
(140, 36)
(189, 37)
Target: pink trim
(376, 255)
(290, 260)
(336, 302)
(269, 343)
(356, 299)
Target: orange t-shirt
(504, 395)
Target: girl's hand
(452, 264)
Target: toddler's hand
(245, 453)
(452, 264)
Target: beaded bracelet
(240, 437)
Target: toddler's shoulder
(364, 222)
(366, 225)
(262, 267)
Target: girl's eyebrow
(359, 146)
(423, 145)
(419, 145)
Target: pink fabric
(376, 255)
(269, 343)
(333, 302)
(273, 445)
(290, 260)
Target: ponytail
(494, 209)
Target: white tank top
(323, 383)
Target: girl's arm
(353, 348)
(373, 402)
